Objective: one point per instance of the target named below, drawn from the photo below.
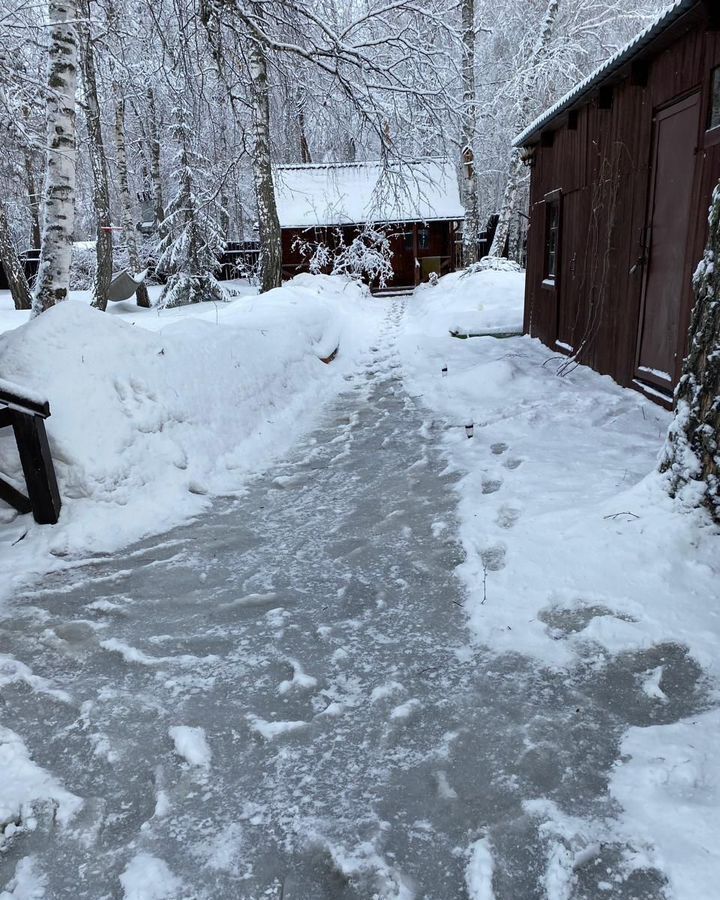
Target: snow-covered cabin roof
(352, 193)
(608, 68)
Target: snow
(154, 413)
(353, 193)
(271, 730)
(484, 302)
(28, 882)
(148, 878)
(191, 743)
(25, 788)
(573, 547)
(479, 871)
(670, 792)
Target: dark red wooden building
(417, 205)
(623, 169)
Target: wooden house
(622, 173)
(416, 204)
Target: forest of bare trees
(193, 102)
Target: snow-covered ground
(574, 548)
(295, 696)
(154, 412)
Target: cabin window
(552, 238)
(715, 99)
(423, 238)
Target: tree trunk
(515, 168)
(34, 200)
(124, 194)
(98, 162)
(469, 181)
(691, 456)
(53, 278)
(14, 270)
(269, 224)
(154, 132)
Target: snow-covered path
(282, 700)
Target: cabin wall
(406, 244)
(600, 162)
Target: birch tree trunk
(126, 205)
(469, 184)
(53, 279)
(14, 270)
(269, 224)
(691, 456)
(98, 162)
(515, 168)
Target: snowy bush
(495, 264)
(367, 257)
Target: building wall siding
(603, 168)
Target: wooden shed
(416, 204)
(622, 172)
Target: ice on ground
(147, 877)
(669, 787)
(271, 730)
(479, 871)
(12, 671)
(25, 787)
(191, 743)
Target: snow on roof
(351, 193)
(611, 65)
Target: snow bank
(146, 425)
(479, 302)
(479, 871)
(670, 791)
(25, 786)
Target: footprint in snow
(493, 558)
(512, 463)
(507, 516)
(498, 448)
(491, 485)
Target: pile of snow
(481, 300)
(25, 787)
(150, 419)
(191, 743)
(147, 877)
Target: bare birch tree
(469, 128)
(53, 279)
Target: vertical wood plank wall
(602, 167)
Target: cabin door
(671, 183)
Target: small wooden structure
(623, 169)
(26, 416)
(416, 204)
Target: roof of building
(352, 193)
(607, 69)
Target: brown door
(671, 182)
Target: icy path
(280, 700)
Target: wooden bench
(26, 415)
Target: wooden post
(416, 267)
(37, 466)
